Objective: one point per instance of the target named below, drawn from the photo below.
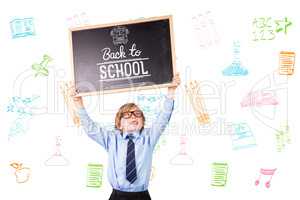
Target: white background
(232, 21)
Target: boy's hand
(70, 93)
(175, 83)
(73, 102)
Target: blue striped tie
(130, 160)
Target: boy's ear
(118, 126)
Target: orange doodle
(193, 91)
(286, 62)
(22, 173)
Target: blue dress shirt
(115, 143)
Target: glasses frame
(132, 113)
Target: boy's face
(132, 120)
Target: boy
(129, 146)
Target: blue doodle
(21, 106)
(18, 127)
(242, 136)
(22, 27)
(235, 70)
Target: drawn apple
(22, 173)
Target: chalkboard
(122, 56)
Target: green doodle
(42, 68)
(219, 174)
(94, 175)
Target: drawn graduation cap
(119, 35)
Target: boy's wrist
(171, 93)
(78, 104)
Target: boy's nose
(133, 116)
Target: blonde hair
(125, 108)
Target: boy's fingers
(70, 88)
(177, 79)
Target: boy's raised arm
(159, 125)
(92, 129)
(162, 120)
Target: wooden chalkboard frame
(129, 22)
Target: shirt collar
(136, 134)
